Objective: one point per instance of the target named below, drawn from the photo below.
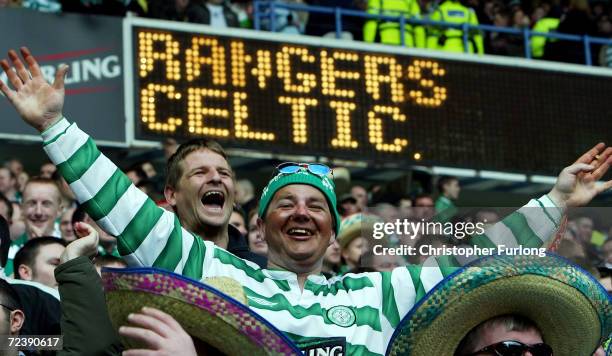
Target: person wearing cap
(352, 244)
(298, 218)
(509, 305)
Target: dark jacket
(238, 245)
(86, 326)
(197, 12)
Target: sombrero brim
(203, 311)
(567, 304)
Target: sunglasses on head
(514, 348)
(314, 168)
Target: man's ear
(169, 194)
(16, 319)
(261, 226)
(24, 272)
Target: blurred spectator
(383, 262)
(216, 13)
(257, 243)
(94, 7)
(361, 195)
(404, 207)
(237, 221)
(331, 260)
(449, 189)
(109, 261)
(37, 260)
(10, 3)
(6, 208)
(547, 23)
(66, 225)
(388, 32)
(387, 212)
(245, 194)
(11, 313)
(488, 217)
(8, 184)
(42, 5)
(347, 205)
(424, 207)
(285, 20)
(352, 244)
(451, 39)
(17, 224)
(504, 44)
(607, 253)
(22, 180)
(47, 170)
(136, 174)
(576, 21)
(14, 165)
(325, 24)
(604, 26)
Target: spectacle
(514, 348)
(314, 168)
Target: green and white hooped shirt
(362, 308)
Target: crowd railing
(265, 10)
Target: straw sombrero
(205, 310)
(573, 311)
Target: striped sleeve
(533, 225)
(147, 234)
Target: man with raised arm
(298, 217)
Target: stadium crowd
(574, 17)
(196, 218)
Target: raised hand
(578, 184)
(37, 102)
(161, 333)
(85, 245)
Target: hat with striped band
(571, 309)
(215, 311)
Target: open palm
(578, 184)
(37, 102)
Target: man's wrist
(558, 199)
(47, 125)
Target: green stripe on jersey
(415, 275)
(389, 306)
(364, 316)
(139, 228)
(195, 261)
(525, 237)
(172, 253)
(74, 168)
(102, 203)
(348, 283)
(256, 274)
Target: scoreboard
(312, 96)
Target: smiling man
(357, 313)
(41, 206)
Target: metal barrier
(267, 10)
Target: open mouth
(213, 200)
(300, 233)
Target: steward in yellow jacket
(389, 31)
(451, 39)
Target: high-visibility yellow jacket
(451, 39)
(389, 31)
(544, 25)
